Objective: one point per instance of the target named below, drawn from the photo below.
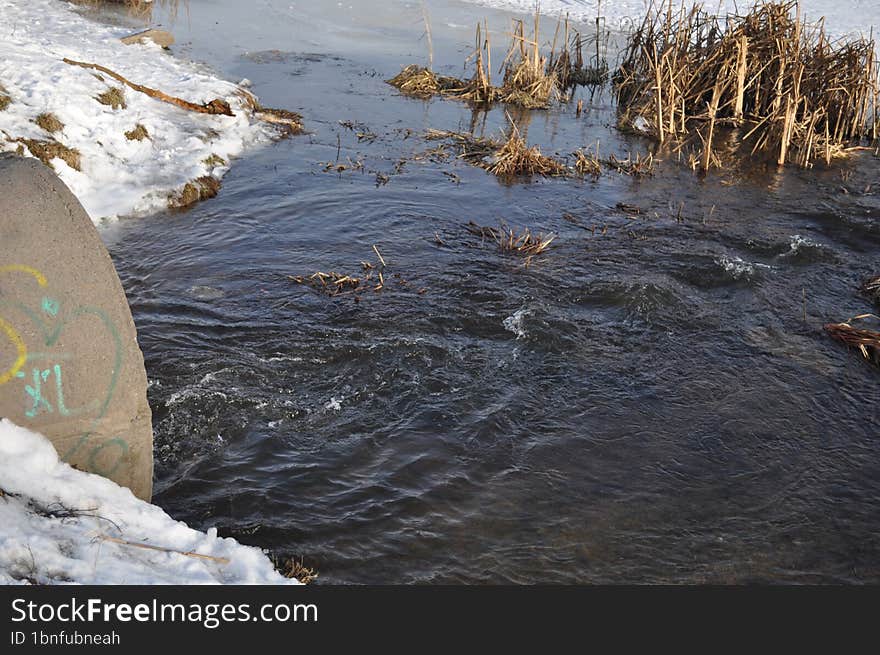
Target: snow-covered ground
(119, 176)
(843, 16)
(60, 525)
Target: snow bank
(54, 520)
(119, 176)
(850, 16)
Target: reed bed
(795, 95)
(867, 342)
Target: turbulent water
(651, 400)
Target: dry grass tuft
(516, 158)
(139, 133)
(201, 188)
(49, 122)
(46, 151)
(635, 165)
(5, 98)
(114, 97)
(474, 150)
(867, 342)
(424, 83)
(523, 243)
(296, 569)
(795, 95)
(587, 163)
(373, 278)
(289, 122)
(531, 79)
(214, 161)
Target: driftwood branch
(135, 544)
(215, 106)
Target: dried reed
(867, 342)
(796, 95)
(509, 241)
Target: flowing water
(651, 400)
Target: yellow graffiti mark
(20, 347)
(21, 268)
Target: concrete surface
(70, 365)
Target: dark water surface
(643, 403)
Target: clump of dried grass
(474, 150)
(139, 133)
(5, 98)
(796, 95)
(867, 342)
(199, 189)
(297, 570)
(49, 122)
(523, 243)
(289, 122)
(531, 79)
(373, 277)
(114, 97)
(214, 161)
(422, 82)
(637, 165)
(516, 158)
(587, 163)
(46, 151)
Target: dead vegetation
(5, 98)
(46, 151)
(794, 95)
(532, 77)
(289, 122)
(587, 163)
(201, 188)
(49, 122)
(508, 240)
(867, 342)
(374, 276)
(515, 158)
(423, 83)
(296, 569)
(214, 161)
(636, 165)
(114, 97)
(139, 133)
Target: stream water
(651, 400)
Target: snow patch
(56, 524)
(119, 176)
(850, 16)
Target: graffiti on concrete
(37, 370)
